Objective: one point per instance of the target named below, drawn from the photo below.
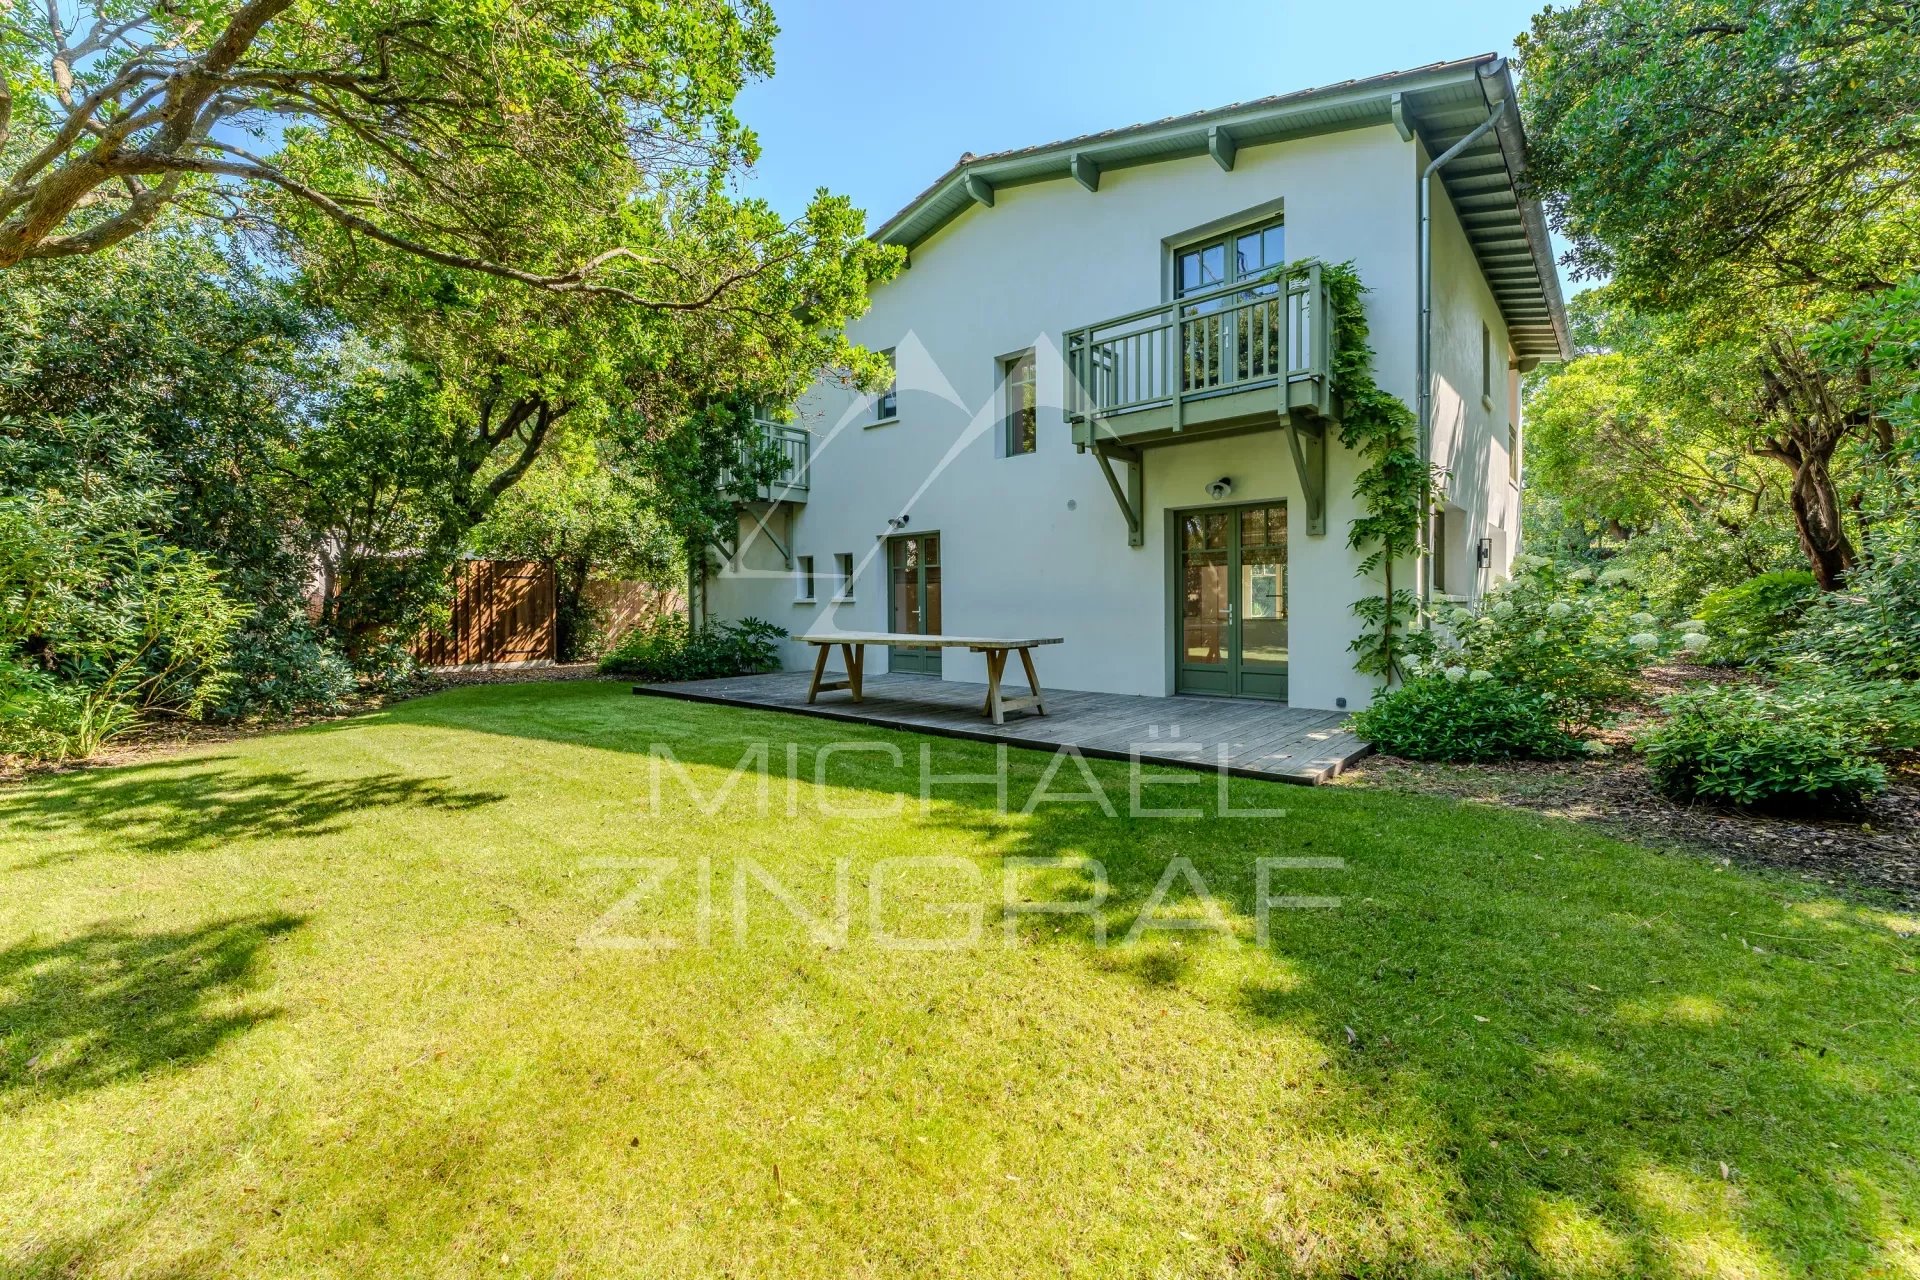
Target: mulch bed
(1874, 856)
(165, 737)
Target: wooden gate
(503, 612)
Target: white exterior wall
(1036, 544)
(1469, 430)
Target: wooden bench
(853, 647)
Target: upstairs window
(887, 406)
(1021, 426)
(1239, 255)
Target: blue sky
(874, 100)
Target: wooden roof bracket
(1131, 494)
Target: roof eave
(907, 229)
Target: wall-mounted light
(1221, 488)
(1483, 554)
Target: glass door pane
(1206, 606)
(930, 585)
(905, 578)
(1263, 587)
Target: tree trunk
(1817, 518)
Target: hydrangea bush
(1573, 636)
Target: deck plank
(1260, 739)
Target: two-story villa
(1111, 423)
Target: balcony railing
(1269, 332)
(788, 481)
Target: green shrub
(40, 718)
(1463, 718)
(280, 667)
(1744, 623)
(1870, 629)
(1558, 631)
(1798, 747)
(666, 648)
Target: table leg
(819, 669)
(856, 656)
(996, 665)
(1033, 681)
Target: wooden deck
(1259, 739)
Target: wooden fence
(503, 612)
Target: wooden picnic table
(853, 647)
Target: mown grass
(338, 1002)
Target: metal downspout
(1423, 344)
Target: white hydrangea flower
(1460, 616)
(1504, 609)
(1455, 674)
(1583, 574)
(1643, 619)
(1693, 640)
(1540, 636)
(1615, 575)
(1559, 609)
(1476, 676)
(1595, 747)
(1644, 640)
(1695, 624)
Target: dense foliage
(1574, 637)
(100, 620)
(1745, 622)
(1462, 716)
(667, 648)
(1806, 745)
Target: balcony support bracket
(1308, 440)
(761, 525)
(1130, 495)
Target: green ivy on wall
(1384, 433)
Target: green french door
(1230, 624)
(913, 600)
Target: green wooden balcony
(1253, 355)
(792, 465)
(1242, 356)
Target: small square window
(843, 575)
(1513, 452)
(887, 406)
(803, 578)
(1020, 428)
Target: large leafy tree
(1744, 170)
(411, 116)
(1711, 147)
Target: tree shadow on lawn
(1543, 1051)
(110, 1004)
(181, 805)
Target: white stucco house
(1110, 422)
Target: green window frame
(886, 406)
(1020, 419)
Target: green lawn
(338, 1002)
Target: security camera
(1221, 488)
